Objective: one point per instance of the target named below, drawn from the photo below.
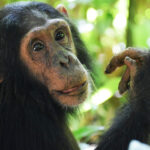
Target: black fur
(29, 117)
(132, 121)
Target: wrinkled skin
(54, 63)
(133, 58)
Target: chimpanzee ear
(62, 9)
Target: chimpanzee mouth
(76, 90)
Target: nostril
(64, 62)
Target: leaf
(87, 131)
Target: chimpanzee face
(49, 53)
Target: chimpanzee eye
(59, 35)
(38, 46)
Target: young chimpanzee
(42, 78)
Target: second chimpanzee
(42, 78)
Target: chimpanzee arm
(129, 124)
(132, 121)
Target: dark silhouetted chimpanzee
(42, 79)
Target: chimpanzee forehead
(34, 18)
(17, 19)
(27, 15)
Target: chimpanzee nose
(64, 61)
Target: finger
(132, 66)
(124, 83)
(118, 60)
(128, 75)
(131, 52)
(114, 63)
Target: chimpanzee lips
(75, 90)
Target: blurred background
(107, 27)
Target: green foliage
(87, 132)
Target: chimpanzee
(43, 78)
(132, 121)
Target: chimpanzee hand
(132, 121)
(133, 58)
